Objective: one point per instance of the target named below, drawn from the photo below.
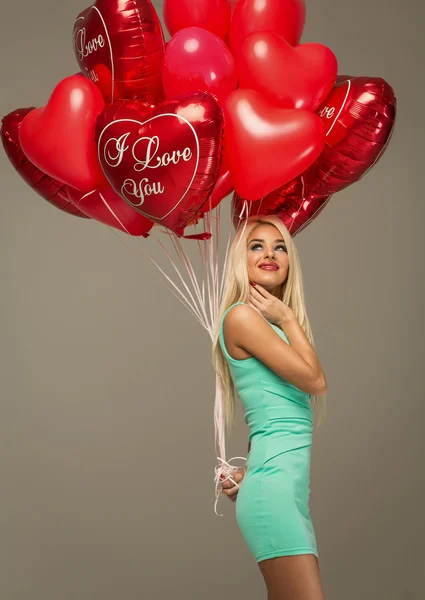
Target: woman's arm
(250, 331)
(301, 344)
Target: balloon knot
(198, 236)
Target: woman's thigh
(292, 577)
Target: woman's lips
(269, 268)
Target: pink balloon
(212, 15)
(197, 60)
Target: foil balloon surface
(52, 190)
(163, 161)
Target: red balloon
(222, 188)
(164, 161)
(119, 45)
(268, 146)
(48, 188)
(233, 5)
(295, 214)
(59, 138)
(284, 17)
(106, 206)
(212, 15)
(197, 60)
(359, 116)
(299, 77)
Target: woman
(263, 353)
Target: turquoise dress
(272, 506)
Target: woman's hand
(229, 488)
(273, 309)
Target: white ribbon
(223, 472)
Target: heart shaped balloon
(223, 188)
(295, 214)
(119, 45)
(106, 206)
(48, 188)
(268, 146)
(299, 77)
(59, 138)
(211, 15)
(359, 116)
(163, 161)
(284, 17)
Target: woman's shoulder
(240, 313)
(239, 321)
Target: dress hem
(292, 552)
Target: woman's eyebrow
(260, 240)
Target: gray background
(106, 428)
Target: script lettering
(140, 190)
(149, 157)
(140, 156)
(327, 112)
(150, 160)
(91, 74)
(118, 144)
(84, 48)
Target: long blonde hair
(237, 290)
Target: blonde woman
(264, 354)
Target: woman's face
(266, 247)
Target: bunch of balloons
(154, 133)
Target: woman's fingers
(262, 290)
(257, 304)
(229, 488)
(232, 493)
(256, 293)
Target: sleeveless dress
(272, 505)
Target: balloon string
(112, 213)
(226, 256)
(224, 472)
(213, 288)
(244, 209)
(187, 303)
(210, 257)
(190, 270)
(301, 204)
(196, 303)
(186, 261)
(201, 249)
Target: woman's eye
(259, 245)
